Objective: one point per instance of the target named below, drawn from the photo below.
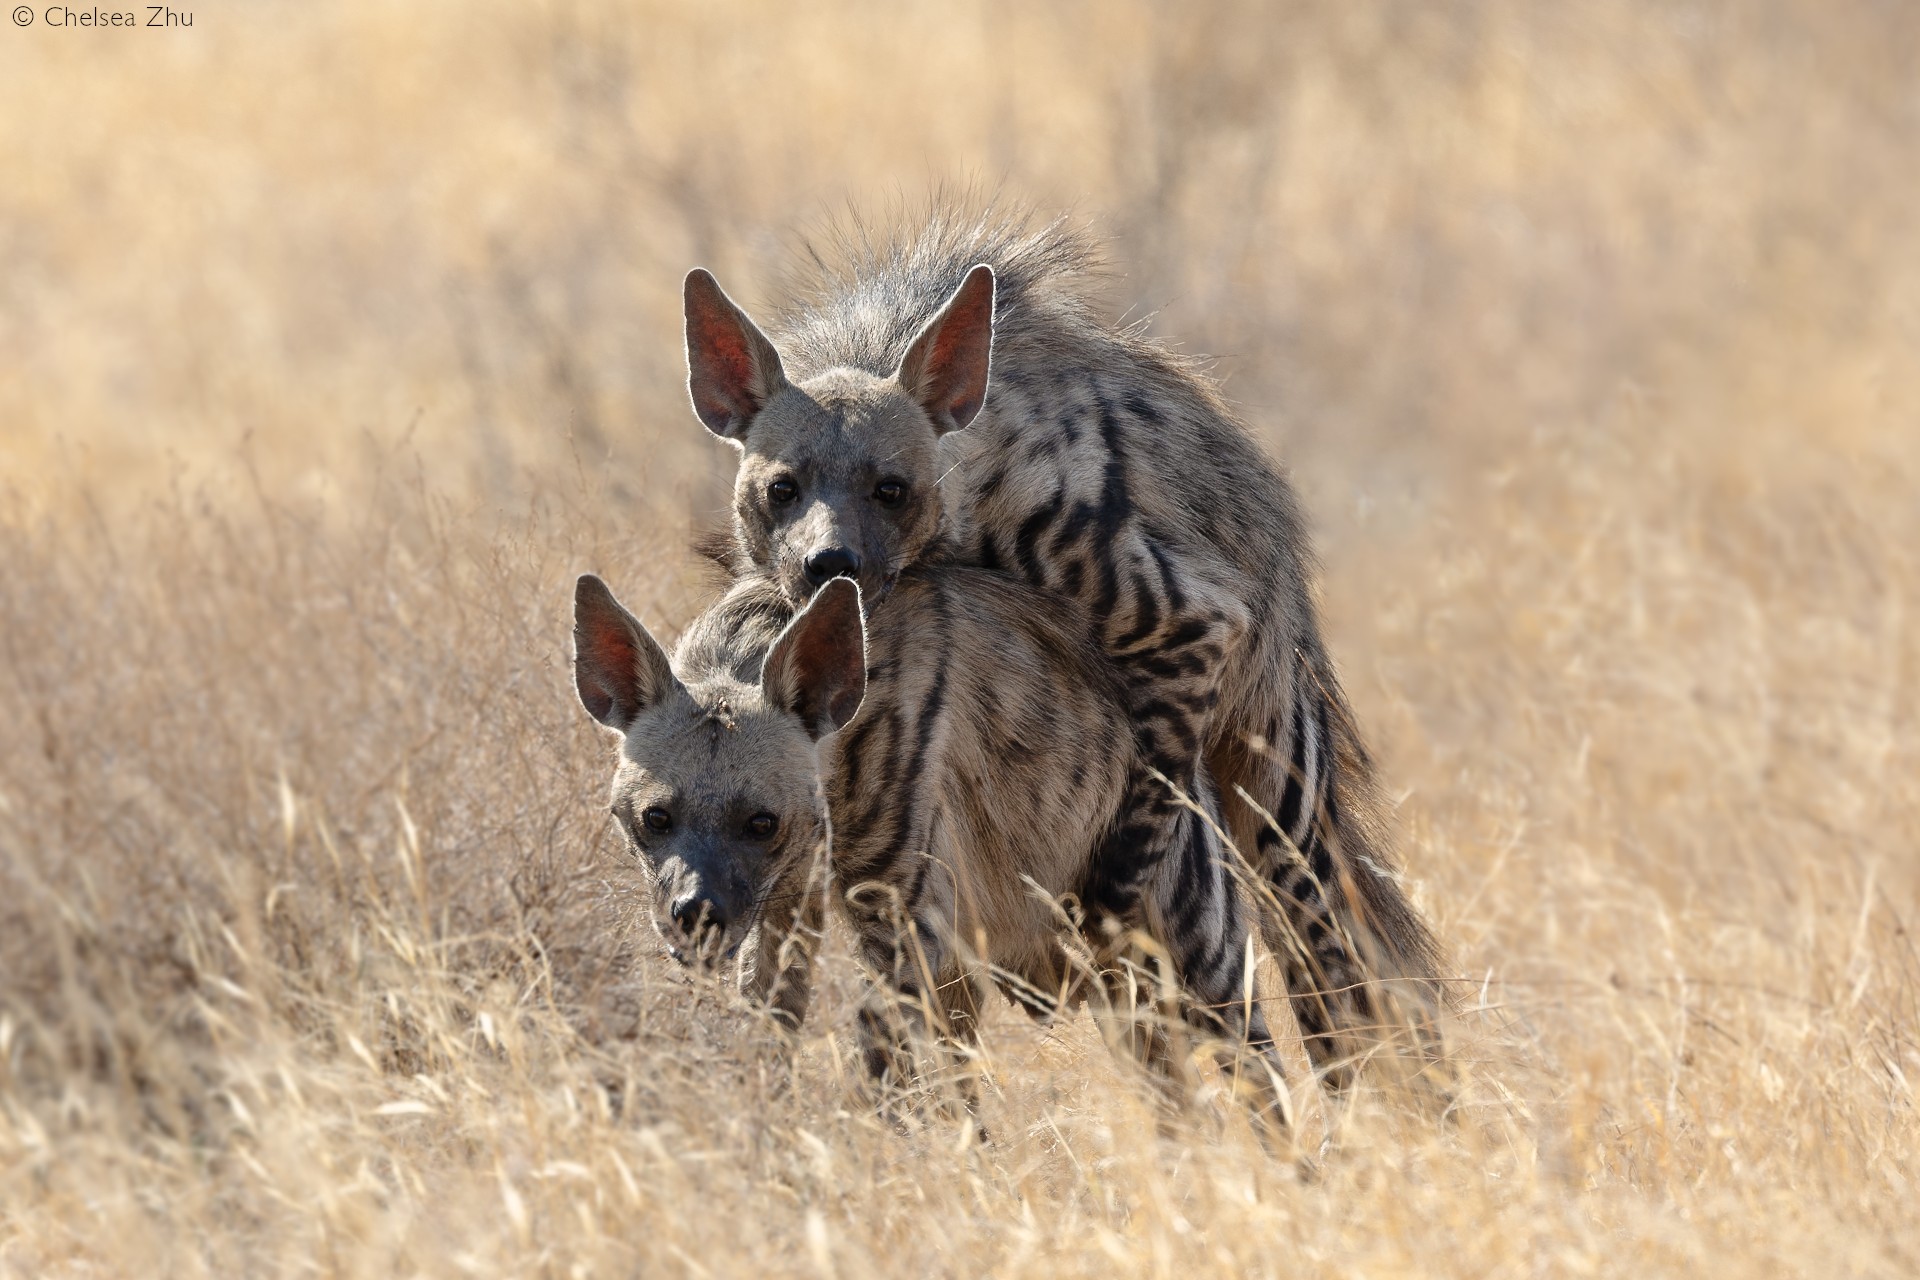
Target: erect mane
(859, 291)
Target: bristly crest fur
(860, 292)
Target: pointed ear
(732, 370)
(946, 366)
(619, 669)
(817, 669)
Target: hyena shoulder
(1007, 646)
(1023, 713)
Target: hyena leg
(1288, 829)
(1170, 658)
(781, 979)
(1137, 1018)
(920, 997)
(1196, 910)
(1330, 996)
(1141, 1021)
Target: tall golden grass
(337, 337)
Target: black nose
(834, 562)
(697, 912)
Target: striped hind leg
(1169, 649)
(1196, 910)
(1288, 830)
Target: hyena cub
(954, 768)
(1111, 475)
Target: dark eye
(656, 819)
(762, 825)
(782, 491)
(890, 493)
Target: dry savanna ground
(335, 338)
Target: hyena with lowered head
(959, 760)
(1110, 474)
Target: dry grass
(338, 337)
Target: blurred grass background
(335, 337)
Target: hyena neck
(732, 637)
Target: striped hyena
(1110, 474)
(905, 751)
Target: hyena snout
(828, 563)
(696, 914)
(702, 917)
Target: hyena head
(838, 473)
(717, 790)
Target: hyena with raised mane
(985, 753)
(1111, 474)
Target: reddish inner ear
(827, 657)
(953, 375)
(609, 660)
(846, 698)
(964, 335)
(728, 364)
(818, 670)
(612, 648)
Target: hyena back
(1108, 472)
(958, 760)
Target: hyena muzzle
(1109, 473)
(952, 767)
